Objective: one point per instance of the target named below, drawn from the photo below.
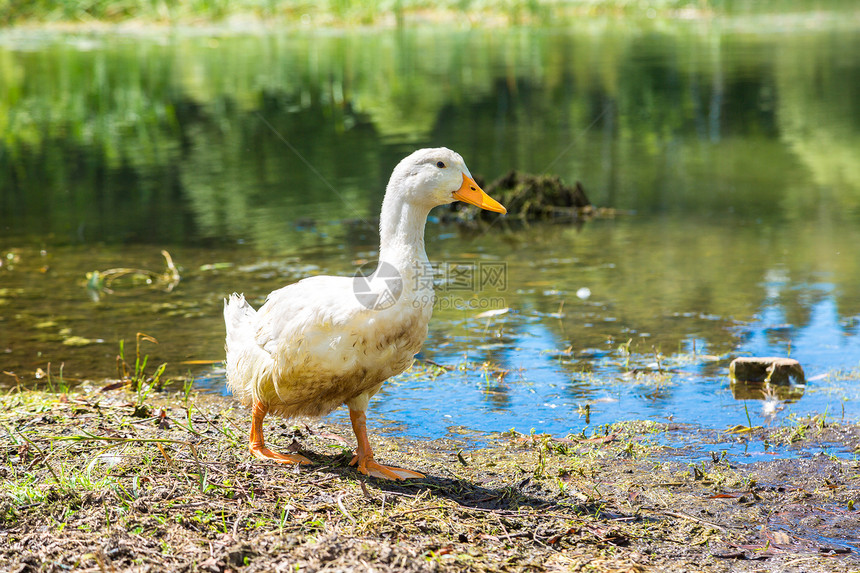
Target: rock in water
(773, 369)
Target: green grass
(375, 12)
(336, 12)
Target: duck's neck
(401, 233)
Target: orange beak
(469, 192)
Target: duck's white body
(313, 346)
(326, 341)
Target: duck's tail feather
(239, 343)
(239, 320)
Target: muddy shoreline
(116, 480)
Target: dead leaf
(780, 538)
(163, 422)
(558, 537)
(836, 550)
(23, 450)
(739, 429)
(730, 555)
(115, 385)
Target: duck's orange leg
(364, 454)
(258, 446)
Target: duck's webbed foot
(370, 467)
(364, 454)
(265, 453)
(258, 447)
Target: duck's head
(439, 176)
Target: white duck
(326, 341)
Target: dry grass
(101, 481)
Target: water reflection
(771, 394)
(258, 160)
(761, 125)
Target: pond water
(729, 146)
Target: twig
(436, 364)
(419, 509)
(93, 438)
(164, 453)
(682, 515)
(44, 459)
(236, 526)
(343, 509)
(321, 481)
(367, 493)
(515, 535)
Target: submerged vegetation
(92, 480)
(100, 283)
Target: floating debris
(216, 267)
(100, 282)
(492, 313)
(80, 341)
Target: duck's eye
(440, 164)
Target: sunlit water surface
(254, 160)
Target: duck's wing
(310, 306)
(317, 328)
(317, 345)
